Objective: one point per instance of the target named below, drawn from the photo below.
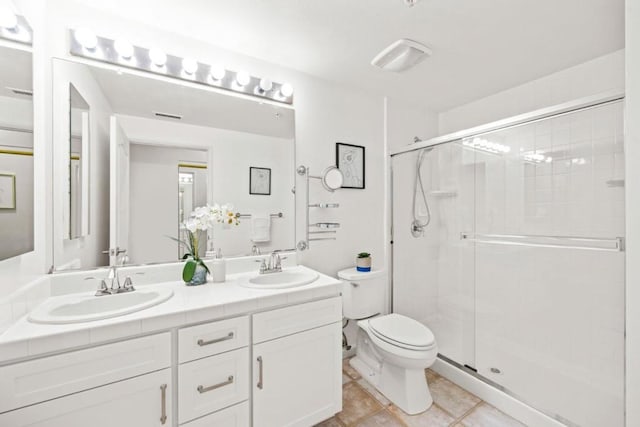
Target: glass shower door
(549, 266)
(433, 269)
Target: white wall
(632, 194)
(590, 78)
(153, 201)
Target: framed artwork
(350, 161)
(7, 191)
(260, 181)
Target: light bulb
(8, 19)
(266, 85)
(124, 48)
(217, 72)
(242, 78)
(86, 38)
(286, 90)
(157, 57)
(189, 65)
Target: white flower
(191, 225)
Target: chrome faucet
(255, 250)
(274, 266)
(111, 285)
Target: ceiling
(479, 47)
(133, 95)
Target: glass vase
(199, 276)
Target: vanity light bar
(14, 27)
(86, 44)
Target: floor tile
(374, 392)
(486, 415)
(433, 417)
(331, 422)
(451, 397)
(431, 375)
(356, 404)
(380, 419)
(347, 369)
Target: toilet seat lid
(396, 328)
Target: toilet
(392, 350)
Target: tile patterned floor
(364, 406)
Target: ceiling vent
(401, 55)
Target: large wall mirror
(16, 151)
(152, 151)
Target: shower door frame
(580, 104)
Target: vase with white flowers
(201, 219)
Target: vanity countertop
(189, 305)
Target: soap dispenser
(219, 267)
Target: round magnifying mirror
(332, 178)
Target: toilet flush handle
(355, 285)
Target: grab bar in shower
(589, 243)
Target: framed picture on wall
(7, 191)
(260, 181)
(350, 161)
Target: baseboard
(493, 396)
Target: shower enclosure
(519, 272)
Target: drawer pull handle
(260, 372)
(203, 389)
(163, 400)
(202, 342)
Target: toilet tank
(363, 293)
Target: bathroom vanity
(215, 355)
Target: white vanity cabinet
(214, 372)
(273, 368)
(68, 390)
(144, 401)
(297, 364)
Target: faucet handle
(128, 284)
(263, 266)
(102, 289)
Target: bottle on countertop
(219, 272)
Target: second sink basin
(289, 278)
(85, 307)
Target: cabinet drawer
(143, 401)
(212, 338)
(212, 383)
(290, 320)
(235, 416)
(37, 380)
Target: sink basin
(88, 307)
(285, 279)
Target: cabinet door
(297, 379)
(143, 401)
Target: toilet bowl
(392, 350)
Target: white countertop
(189, 305)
